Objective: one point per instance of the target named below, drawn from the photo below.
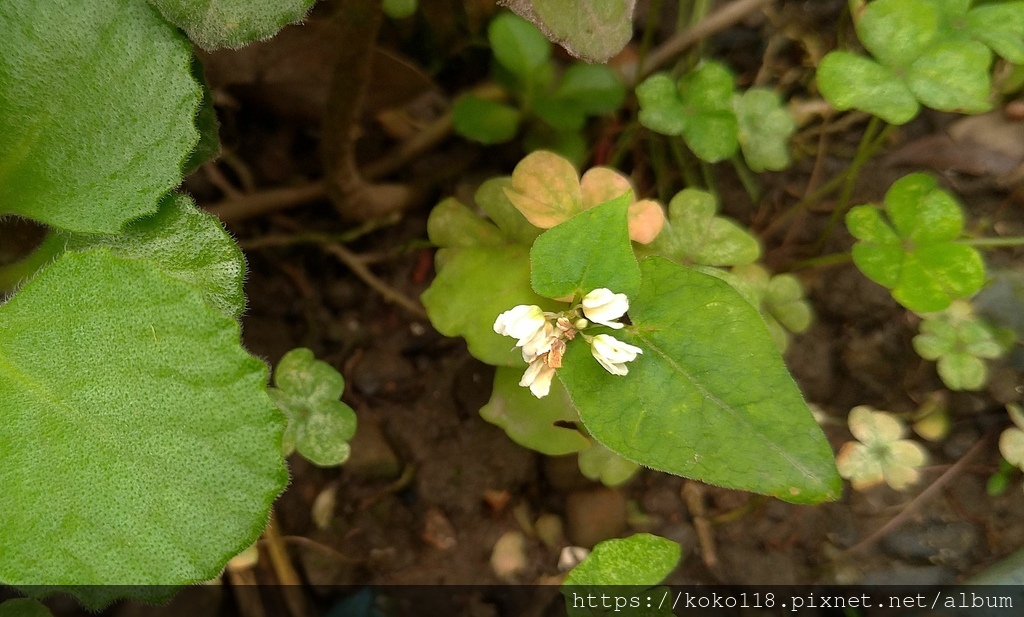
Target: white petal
(604, 307)
(612, 349)
(520, 322)
(538, 377)
(540, 343)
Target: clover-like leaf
(545, 189)
(187, 244)
(765, 127)
(602, 184)
(475, 286)
(589, 251)
(881, 453)
(851, 81)
(605, 466)
(97, 111)
(1001, 27)
(231, 23)
(914, 252)
(453, 225)
(150, 452)
(640, 560)
(518, 45)
(694, 234)
(530, 421)
(779, 298)
(319, 425)
(487, 122)
(959, 342)
(593, 30)
(697, 408)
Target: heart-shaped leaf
(149, 454)
(765, 127)
(959, 342)
(97, 111)
(694, 234)
(709, 398)
(545, 189)
(319, 425)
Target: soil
(431, 487)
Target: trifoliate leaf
(97, 111)
(231, 23)
(150, 452)
(765, 127)
(319, 425)
(779, 298)
(881, 453)
(530, 421)
(1001, 27)
(849, 81)
(959, 342)
(660, 107)
(913, 253)
(694, 234)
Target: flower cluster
(542, 336)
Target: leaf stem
(875, 132)
(747, 178)
(993, 242)
(822, 261)
(12, 275)
(676, 146)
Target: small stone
(595, 515)
(550, 530)
(438, 531)
(322, 510)
(372, 456)
(570, 557)
(496, 500)
(508, 559)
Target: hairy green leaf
(24, 607)
(639, 560)
(212, 24)
(97, 111)
(319, 425)
(593, 30)
(150, 453)
(710, 397)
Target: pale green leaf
(453, 225)
(592, 30)
(660, 107)
(593, 89)
(212, 24)
(319, 425)
(1001, 27)
(602, 465)
(518, 45)
(589, 251)
(530, 421)
(150, 452)
(694, 234)
(765, 127)
(897, 32)
(491, 198)
(709, 398)
(849, 81)
(97, 111)
(953, 76)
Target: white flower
(613, 353)
(539, 343)
(522, 322)
(538, 377)
(604, 307)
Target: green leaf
(97, 111)
(780, 299)
(593, 89)
(207, 125)
(1001, 27)
(602, 465)
(518, 45)
(453, 225)
(660, 107)
(592, 30)
(559, 114)
(897, 32)
(849, 81)
(953, 76)
(485, 121)
(694, 234)
(640, 560)
(475, 286)
(187, 244)
(530, 421)
(24, 607)
(212, 24)
(149, 454)
(711, 128)
(709, 399)
(958, 340)
(319, 425)
(765, 127)
(589, 251)
(400, 9)
(917, 257)
(491, 198)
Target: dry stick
(285, 571)
(693, 493)
(923, 498)
(358, 268)
(712, 24)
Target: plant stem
(13, 274)
(676, 145)
(822, 261)
(747, 178)
(653, 13)
(874, 130)
(993, 242)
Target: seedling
(961, 342)
(880, 454)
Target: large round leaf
(97, 111)
(137, 442)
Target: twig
(390, 294)
(923, 498)
(693, 494)
(715, 23)
(264, 202)
(285, 571)
(277, 240)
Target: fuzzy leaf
(319, 425)
(24, 607)
(212, 24)
(97, 111)
(640, 560)
(710, 397)
(592, 30)
(150, 452)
